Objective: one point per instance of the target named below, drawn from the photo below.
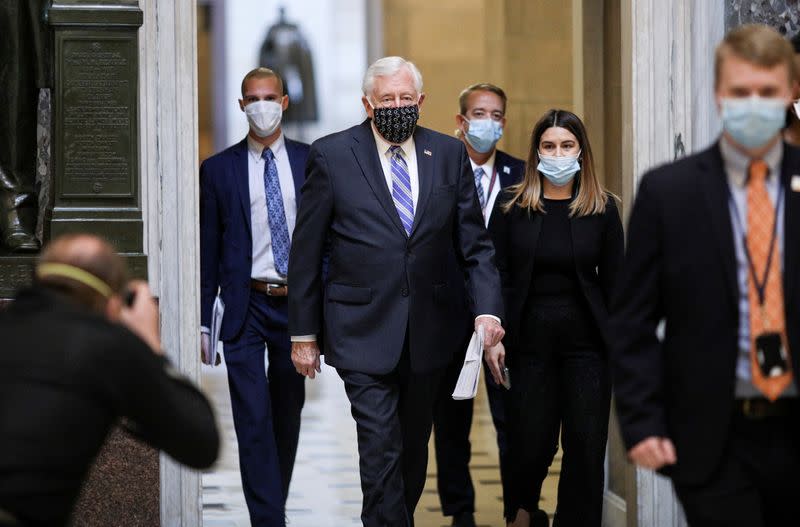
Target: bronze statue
(286, 51)
(24, 69)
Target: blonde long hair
(528, 193)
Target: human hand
(493, 332)
(205, 348)
(653, 453)
(142, 317)
(305, 357)
(495, 358)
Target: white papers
(216, 323)
(467, 384)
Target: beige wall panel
(395, 29)
(441, 34)
(426, 5)
(523, 46)
(515, 21)
(443, 83)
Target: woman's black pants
(559, 380)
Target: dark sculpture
(24, 69)
(286, 52)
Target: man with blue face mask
(713, 250)
(248, 204)
(480, 123)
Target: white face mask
(796, 106)
(264, 117)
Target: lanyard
(491, 186)
(761, 286)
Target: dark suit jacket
(680, 266)
(226, 243)
(510, 171)
(382, 284)
(597, 242)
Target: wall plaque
(98, 107)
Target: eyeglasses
(387, 101)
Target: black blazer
(383, 285)
(680, 266)
(597, 242)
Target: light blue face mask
(753, 121)
(559, 170)
(483, 134)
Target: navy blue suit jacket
(226, 243)
(510, 170)
(383, 285)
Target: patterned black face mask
(396, 124)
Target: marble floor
(325, 490)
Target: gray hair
(388, 66)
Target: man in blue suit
(393, 203)
(248, 205)
(480, 123)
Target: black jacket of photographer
(67, 376)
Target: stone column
(168, 116)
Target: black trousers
(452, 421)
(393, 415)
(559, 380)
(758, 481)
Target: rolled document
(467, 384)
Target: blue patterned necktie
(276, 214)
(479, 172)
(401, 188)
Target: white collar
(256, 149)
(488, 167)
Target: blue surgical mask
(559, 170)
(483, 134)
(753, 121)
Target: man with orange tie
(714, 252)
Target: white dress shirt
(486, 180)
(410, 156)
(263, 260)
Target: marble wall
(783, 15)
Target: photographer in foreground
(80, 350)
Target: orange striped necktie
(767, 313)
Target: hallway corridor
(325, 489)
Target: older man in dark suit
(393, 202)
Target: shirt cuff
(497, 319)
(304, 338)
(205, 330)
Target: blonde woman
(559, 244)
